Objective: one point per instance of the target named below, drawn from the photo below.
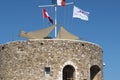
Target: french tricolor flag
(59, 2)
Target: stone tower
(51, 59)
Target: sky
(102, 28)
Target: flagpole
(55, 21)
(56, 17)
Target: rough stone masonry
(51, 59)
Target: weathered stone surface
(27, 60)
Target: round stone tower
(51, 59)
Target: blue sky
(102, 28)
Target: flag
(79, 13)
(50, 19)
(59, 2)
(46, 15)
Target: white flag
(79, 13)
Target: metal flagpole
(55, 21)
(56, 17)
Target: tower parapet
(51, 59)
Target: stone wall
(29, 60)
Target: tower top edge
(70, 40)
